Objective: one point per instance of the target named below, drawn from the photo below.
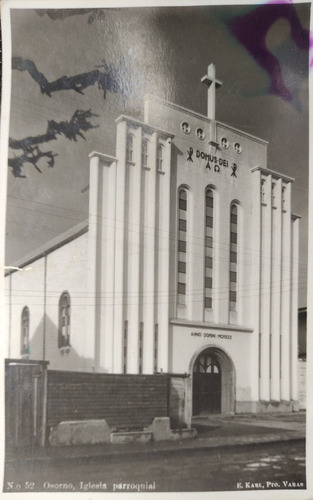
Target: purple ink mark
(251, 30)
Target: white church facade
(188, 264)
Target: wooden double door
(207, 384)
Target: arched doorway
(206, 384)
(213, 382)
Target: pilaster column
(294, 309)
(276, 290)
(286, 295)
(119, 278)
(133, 256)
(252, 302)
(163, 242)
(149, 256)
(265, 299)
(101, 257)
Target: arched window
(233, 257)
(208, 261)
(64, 319)
(206, 364)
(144, 153)
(160, 154)
(25, 331)
(129, 147)
(182, 245)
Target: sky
(261, 57)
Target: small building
(188, 264)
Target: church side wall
(39, 287)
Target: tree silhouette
(108, 78)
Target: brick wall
(124, 401)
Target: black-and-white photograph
(156, 247)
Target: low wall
(124, 401)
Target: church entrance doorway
(206, 384)
(212, 383)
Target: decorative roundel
(237, 147)
(185, 127)
(200, 134)
(225, 142)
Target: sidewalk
(213, 432)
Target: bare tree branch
(109, 80)
(30, 145)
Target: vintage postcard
(155, 185)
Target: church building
(188, 264)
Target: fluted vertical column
(254, 298)
(149, 257)
(101, 257)
(276, 290)
(266, 251)
(286, 294)
(119, 278)
(294, 309)
(133, 235)
(163, 235)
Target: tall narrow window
(156, 340)
(208, 263)
(125, 346)
(273, 194)
(25, 331)
(233, 257)
(129, 147)
(160, 159)
(283, 198)
(144, 153)
(182, 245)
(64, 319)
(140, 346)
(262, 190)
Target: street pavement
(212, 431)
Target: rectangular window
(233, 277)
(209, 221)
(182, 288)
(233, 257)
(182, 204)
(208, 282)
(182, 267)
(209, 201)
(209, 241)
(182, 225)
(182, 246)
(233, 237)
(208, 302)
(208, 262)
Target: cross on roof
(208, 79)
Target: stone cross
(210, 80)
